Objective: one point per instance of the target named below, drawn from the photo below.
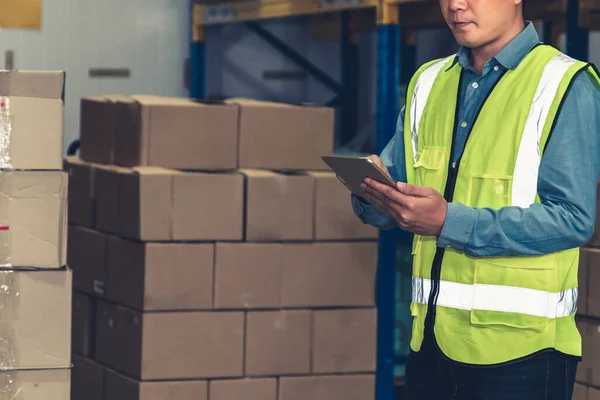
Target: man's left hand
(417, 209)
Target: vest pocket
(429, 167)
(489, 191)
(499, 298)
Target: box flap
(42, 84)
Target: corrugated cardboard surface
(592, 257)
(119, 387)
(34, 207)
(248, 275)
(106, 193)
(158, 204)
(160, 276)
(83, 324)
(580, 392)
(81, 199)
(87, 380)
(87, 258)
(334, 217)
(35, 310)
(278, 342)
(246, 389)
(283, 137)
(36, 385)
(352, 387)
(593, 394)
(98, 119)
(278, 206)
(106, 333)
(176, 133)
(41, 84)
(583, 271)
(344, 341)
(329, 274)
(179, 345)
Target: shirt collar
(510, 56)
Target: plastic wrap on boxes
(35, 385)
(5, 132)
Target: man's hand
(379, 163)
(417, 209)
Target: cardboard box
(31, 119)
(81, 192)
(595, 239)
(580, 392)
(35, 310)
(278, 206)
(332, 274)
(98, 125)
(33, 219)
(106, 197)
(344, 341)
(160, 276)
(593, 394)
(277, 136)
(334, 217)
(158, 204)
(176, 133)
(278, 342)
(174, 345)
(352, 387)
(247, 389)
(585, 256)
(83, 324)
(584, 369)
(248, 275)
(592, 258)
(87, 257)
(107, 337)
(120, 387)
(87, 379)
(40, 384)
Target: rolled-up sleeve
(567, 185)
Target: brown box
(593, 394)
(278, 342)
(87, 258)
(329, 274)
(43, 384)
(247, 389)
(592, 257)
(98, 124)
(278, 206)
(160, 204)
(283, 137)
(583, 277)
(176, 133)
(83, 324)
(344, 341)
(334, 217)
(87, 379)
(33, 219)
(106, 333)
(35, 310)
(106, 196)
(31, 119)
(176, 345)
(580, 392)
(248, 275)
(160, 276)
(595, 239)
(351, 387)
(81, 198)
(120, 387)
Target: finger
(388, 191)
(413, 190)
(391, 207)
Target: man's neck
(481, 55)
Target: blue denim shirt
(567, 178)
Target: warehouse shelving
(392, 53)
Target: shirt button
(496, 68)
(464, 124)
(475, 85)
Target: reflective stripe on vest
(525, 177)
(498, 298)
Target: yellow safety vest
(490, 310)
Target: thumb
(411, 190)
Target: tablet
(354, 170)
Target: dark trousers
(431, 376)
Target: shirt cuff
(458, 227)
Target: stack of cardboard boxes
(35, 284)
(588, 317)
(213, 257)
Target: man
(496, 156)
